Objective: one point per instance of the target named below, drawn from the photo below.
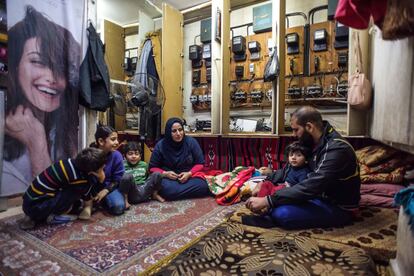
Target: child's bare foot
(127, 205)
(86, 213)
(156, 196)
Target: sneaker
(26, 223)
(60, 219)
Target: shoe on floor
(26, 223)
(60, 219)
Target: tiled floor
(11, 212)
(13, 205)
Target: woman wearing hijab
(177, 157)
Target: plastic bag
(271, 71)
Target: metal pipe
(314, 10)
(295, 14)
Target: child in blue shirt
(106, 139)
(296, 171)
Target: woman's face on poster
(41, 88)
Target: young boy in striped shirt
(53, 192)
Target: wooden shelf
(249, 135)
(317, 101)
(129, 131)
(201, 134)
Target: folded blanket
(232, 193)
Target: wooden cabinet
(347, 121)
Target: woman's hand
(25, 127)
(101, 195)
(170, 175)
(184, 176)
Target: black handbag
(272, 67)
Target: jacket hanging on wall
(94, 76)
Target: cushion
(372, 155)
(375, 200)
(381, 189)
(396, 176)
(384, 167)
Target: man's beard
(306, 139)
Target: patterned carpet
(124, 245)
(236, 249)
(373, 230)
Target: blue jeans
(193, 188)
(114, 203)
(312, 214)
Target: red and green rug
(124, 245)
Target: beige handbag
(359, 87)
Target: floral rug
(236, 249)
(374, 230)
(124, 245)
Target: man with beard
(329, 194)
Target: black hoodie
(335, 175)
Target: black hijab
(168, 134)
(175, 153)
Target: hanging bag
(353, 14)
(272, 67)
(399, 20)
(359, 87)
(357, 13)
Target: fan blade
(120, 105)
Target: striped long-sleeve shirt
(60, 175)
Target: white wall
(146, 24)
(392, 66)
(305, 7)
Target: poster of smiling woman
(41, 116)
